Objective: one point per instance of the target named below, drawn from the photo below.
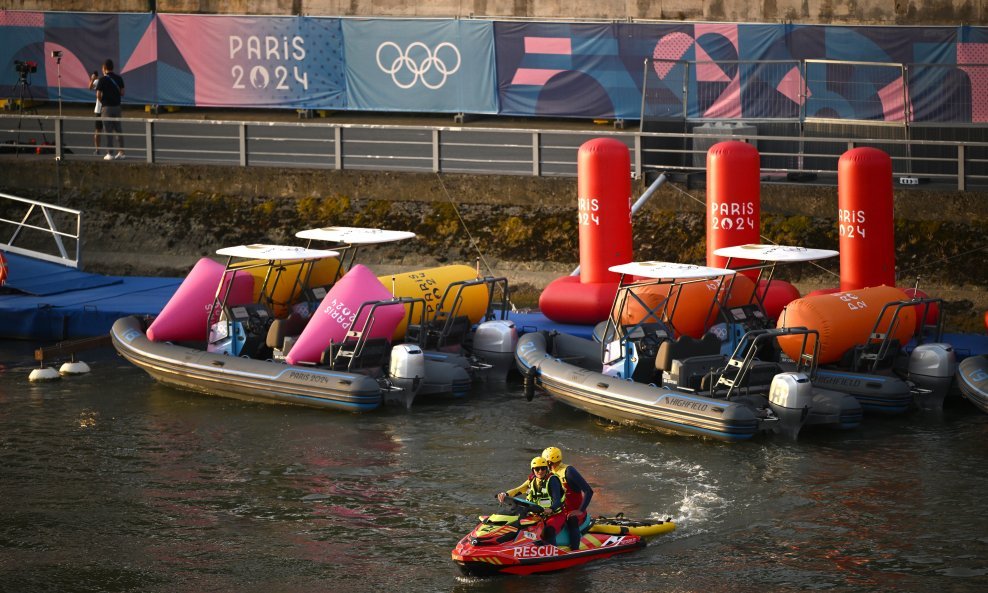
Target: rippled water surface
(111, 482)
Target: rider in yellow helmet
(578, 492)
(545, 489)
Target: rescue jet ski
(511, 542)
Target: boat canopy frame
(273, 257)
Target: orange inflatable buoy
(693, 314)
(3, 269)
(845, 320)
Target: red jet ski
(512, 543)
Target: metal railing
(542, 149)
(47, 227)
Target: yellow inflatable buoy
(430, 284)
(283, 283)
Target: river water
(111, 482)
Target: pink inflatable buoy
(183, 318)
(337, 315)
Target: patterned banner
(85, 41)
(439, 66)
(564, 70)
(671, 71)
(221, 61)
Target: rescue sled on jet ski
(511, 543)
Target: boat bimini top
(658, 270)
(635, 275)
(348, 239)
(277, 259)
(272, 253)
(767, 258)
(654, 325)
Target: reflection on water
(111, 482)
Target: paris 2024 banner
(557, 69)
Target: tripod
(22, 92)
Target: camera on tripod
(25, 67)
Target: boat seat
(759, 376)
(437, 335)
(280, 328)
(685, 347)
(863, 358)
(693, 372)
(371, 354)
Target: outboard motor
(406, 370)
(494, 343)
(790, 397)
(932, 368)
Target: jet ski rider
(577, 491)
(545, 489)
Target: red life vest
(574, 498)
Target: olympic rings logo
(432, 67)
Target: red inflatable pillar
(733, 200)
(604, 200)
(604, 210)
(864, 202)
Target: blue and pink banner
(444, 66)
(225, 61)
(584, 70)
(86, 40)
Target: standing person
(109, 93)
(93, 80)
(578, 492)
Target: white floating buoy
(76, 367)
(44, 374)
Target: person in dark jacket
(110, 93)
(578, 492)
